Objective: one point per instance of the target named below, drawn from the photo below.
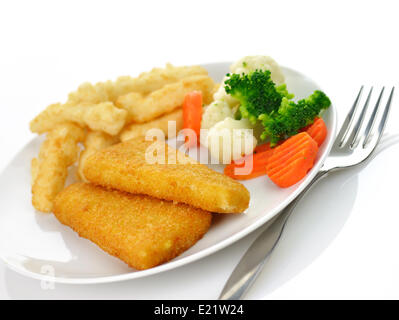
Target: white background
(343, 240)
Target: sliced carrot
(262, 148)
(259, 163)
(291, 161)
(317, 130)
(266, 147)
(192, 115)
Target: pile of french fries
(106, 113)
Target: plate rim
(207, 251)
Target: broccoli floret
(291, 116)
(261, 99)
(256, 92)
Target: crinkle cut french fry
(155, 79)
(104, 117)
(89, 93)
(145, 108)
(145, 83)
(136, 130)
(34, 168)
(50, 169)
(94, 141)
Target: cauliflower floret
(221, 95)
(251, 63)
(217, 111)
(230, 139)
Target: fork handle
(253, 261)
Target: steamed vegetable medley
(253, 107)
(254, 96)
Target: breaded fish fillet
(127, 166)
(142, 231)
(95, 140)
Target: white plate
(37, 245)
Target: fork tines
(349, 133)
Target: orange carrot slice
(262, 148)
(317, 130)
(291, 161)
(192, 115)
(259, 163)
(266, 147)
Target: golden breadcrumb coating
(50, 169)
(127, 166)
(142, 231)
(136, 130)
(94, 141)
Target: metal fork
(349, 150)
